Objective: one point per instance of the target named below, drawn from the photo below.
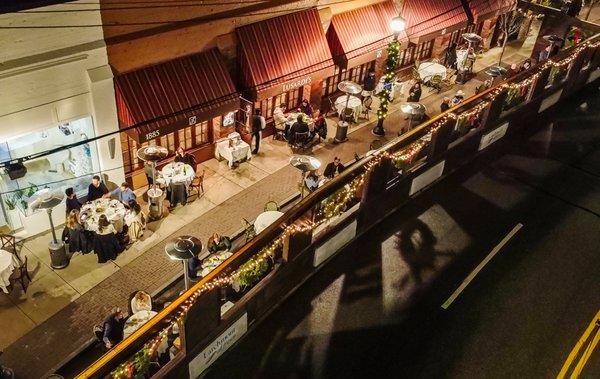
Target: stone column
(104, 113)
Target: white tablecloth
(397, 88)
(176, 172)
(113, 209)
(429, 69)
(136, 320)
(238, 152)
(354, 103)
(265, 219)
(7, 265)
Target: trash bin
(155, 201)
(341, 132)
(58, 255)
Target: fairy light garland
(336, 204)
(393, 51)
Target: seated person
(298, 127)
(194, 265)
(74, 233)
(123, 193)
(97, 189)
(113, 327)
(186, 158)
(306, 108)
(135, 220)
(72, 200)
(218, 243)
(320, 128)
(312, 180)
(334, 168)
(279, 117)
(141, 302)
(106, 243)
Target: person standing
(258, 124)
(414, 95)
(97, 189)
(445, 104)
(369, 82)
(113, 326)
(450, 57)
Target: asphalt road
(375, 310)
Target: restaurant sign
(297, 83)
(218, 346)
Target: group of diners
(218, 248)
(84, 233)
(314, 179)
(302, 125)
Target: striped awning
(162, 98)
(426, 19)
(356, 36)
(283, 53)
(484, 9)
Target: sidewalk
(58, 311)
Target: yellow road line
(586, 356)
(575, 352)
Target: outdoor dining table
(7, 265)
(176, 173)
(428, 70)
(136, 320)
(354, 103)
(233, 149)
(114, 211)
(292, 117)
(265, 219)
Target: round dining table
(136, 320)
(354, 103)
(7, 265)
(265, 219)
(428, 70)
(114, 211)
(176, 173)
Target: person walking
(258, 124)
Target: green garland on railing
(137, 367)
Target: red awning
(484, 9)
(425, 19)
(358, 35)
(175, 94)
(283, 53)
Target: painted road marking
(592, 343)
(481, 265)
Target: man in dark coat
(97, 189)
(257, 124)
(333, 168)
(113, 327)
(298, 127)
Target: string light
(336, 204)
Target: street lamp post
(397, 24)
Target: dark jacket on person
(193, 266)
(113, 329)
(444, 106)
(298, 127)
(321, 126)
(186, 159)
(414, 94)
(331, 169)
(450, 58)
(256, 124)
(369, 82)
(223, 244)
(96, 192)
(73, 204)
(306, 109)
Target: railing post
(540, 84)
(441, 139)
(573, 74)
(202, 318)
(296, 242)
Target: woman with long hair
(78, 240)
(135, 220)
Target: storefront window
(291, 99)
(356, 74)
(71, 167)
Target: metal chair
(8, 242)
(332, 107)
(271, 206)
(20, 274)
(249, 231)
(279, 126)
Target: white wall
(48, 76)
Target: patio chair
(271, 206)
(8, 242)
(279, 126)
(197, 184)
(249, 231)
(332, 107)
(20, 274)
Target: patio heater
(152, 155)
(495, 72)
(182, 249)
(349, 88)
(47, 199)
(397, 24)
(464, 75)
(304, 163)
